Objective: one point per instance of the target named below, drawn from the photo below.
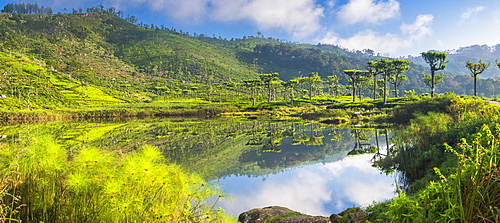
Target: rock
(260, 215)
(305, 219)
(285, 215)
(334, 218)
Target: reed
(43, 182)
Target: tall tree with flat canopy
(385, 67)
(355, 78)
(397, 79)
(270, 80)
(372, 68)
(333, 84)
(475, 70)
(253, 84)
(437, 61)
(313, 79)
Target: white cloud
(368, 39)
(300, 18)
(384, 43)
(495, 17)
(469, 12)
(369, 11)
(305, 191)
(315, 189)
(420, 28)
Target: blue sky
(390, 27)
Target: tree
(313, 79)
(428, 79)
(385, 67)
(372, 68)
(475, 71)
(253, 85)
(397, 79)
(290, 88)
(333, 83)
(355, 78)
(437, 61)
(270, 80)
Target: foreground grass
(42, 182)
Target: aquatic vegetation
(43, 182)
(471, 194)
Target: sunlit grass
(41, 182)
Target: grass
(470, 194)
(44, 183)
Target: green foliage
(417, 146)
(45, 183)
(476, 70)
(404, 209)
(470, 194)
(437, 61)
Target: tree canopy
(437, 61)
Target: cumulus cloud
(370, 11)
(420, 28)
(368, 39)
(469, 12)
(300, 18)
(314, 189)
(384, 43)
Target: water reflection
(319, 189)
(328, 182)
(301, 165)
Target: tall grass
(471, 194)
(42, 182)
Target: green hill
(96, 59)
(55, 61)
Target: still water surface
(317, 189)
(300, 165)
(323, 186)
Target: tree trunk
(385, 88)
(396, 88)
(432, 83)
(475, 86)
(353, 93)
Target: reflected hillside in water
(212, 148)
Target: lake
(308, 167)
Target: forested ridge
(97, 58)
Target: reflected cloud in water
(319, 189)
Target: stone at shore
(282, 214)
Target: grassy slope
(99, 59)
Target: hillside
(457, 59)
(54, 61)
(99, 59)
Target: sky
(389, 27)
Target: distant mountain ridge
(457, 59)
